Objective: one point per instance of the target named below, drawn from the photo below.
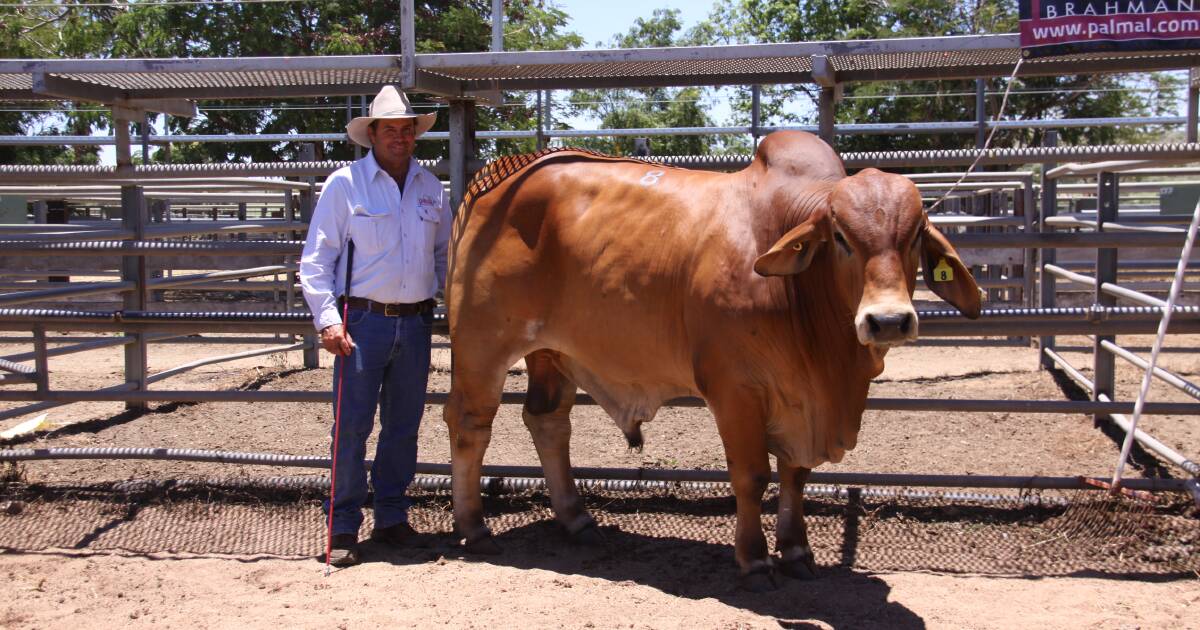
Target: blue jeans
(388, 368)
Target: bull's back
(589, 258)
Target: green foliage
(754, 21)
(315, 27)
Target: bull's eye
(841, 241)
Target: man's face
(393, 140)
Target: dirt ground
(75, 556)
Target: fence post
(133, 269)
(980, 113)
(1104, 363)
(1047, 255)
(41, 360)
(308, 153)
(827, 115)
(755, 114)
(541, 124)
(462, 147)
(1193, 105)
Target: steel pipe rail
(596, 473)
(249, 184)
(76, 235)
(1133, 217)
(72, 349)
(1150, 442)
(1107, 287)
(1126, 163)
(1171, 378)
(201, 278)
(1145, 439)
(882, 159)
(78, 290)
(514, 398)
(151, 248)
(9, 365)
(1079, 240)
(1070, 275)
(1130, 294)
(179, 369)
(258, 227)
(253, 285)
(1073, 221)
(1025, 177)
(1127, 187)
(1133, 265)
(1019, 321)
(51, 404)
(948, 220)
(442, 136)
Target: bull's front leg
(791, 538)
(469, 420)
(744, 436)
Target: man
(390, 217)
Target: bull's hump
(799, 153)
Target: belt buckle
(392, 310)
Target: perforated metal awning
(117, 81)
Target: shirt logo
(427, 201)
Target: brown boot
(345, 550)
(398, 534)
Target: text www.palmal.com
(1115, 26)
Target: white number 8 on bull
(651, 178)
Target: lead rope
(337, 411)
(986, 143)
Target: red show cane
(337, 410)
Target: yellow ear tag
(943, 272)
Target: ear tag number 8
(943, 272)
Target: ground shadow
(684, 568)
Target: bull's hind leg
(791, 538)
(547, 415)
(474, 399)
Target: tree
(33, 33)
(752, 21)
(648, 107)
(302, 28)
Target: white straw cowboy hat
(389, 103)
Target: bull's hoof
(589, 536)
(760, 580)
(484, 545)
(799, 566)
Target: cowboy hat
(389, 103)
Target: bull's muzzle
(886, 325)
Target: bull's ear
(946, 275)
(792, 253)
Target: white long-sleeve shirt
(400, 241)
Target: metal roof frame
(164, 84)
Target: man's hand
(336, 340)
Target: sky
(598, 21)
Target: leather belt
(390, 310)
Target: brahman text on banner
(1057, 27)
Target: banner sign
(1058, 27)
